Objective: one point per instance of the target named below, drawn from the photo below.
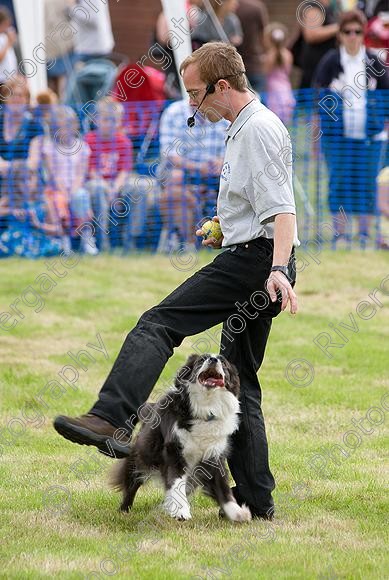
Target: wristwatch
(284, 270)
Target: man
(191, 161)
(255, 205)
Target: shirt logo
(226, 171)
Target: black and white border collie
(186, 441)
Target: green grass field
(60, 520)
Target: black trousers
(231, 289)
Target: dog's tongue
(213, 382)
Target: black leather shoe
(263, 515)
(92, 430)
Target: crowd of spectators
(61, 169)
(72, 176)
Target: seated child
(109, 166)
(33, 231)
(62, 157)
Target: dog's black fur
(186, 439)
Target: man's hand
(278, 281)
(211, 242)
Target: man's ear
(223, 85)
(185, 372)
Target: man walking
(253, 277)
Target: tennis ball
(211, 229)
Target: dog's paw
(244, 515)
(235, 513)
(183, 515)
(178, 510)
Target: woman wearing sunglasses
(352, 111)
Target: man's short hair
(218, 60)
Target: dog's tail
(117, 475)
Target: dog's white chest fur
(208, 438)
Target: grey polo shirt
(256, 179)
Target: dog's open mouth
(211, 378)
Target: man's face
(212, 107)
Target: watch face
(292, 267)
(284, 270)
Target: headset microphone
(191, 120)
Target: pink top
(280, 98)
(65, 162)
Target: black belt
(266, 247)
(261, 242)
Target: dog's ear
(233, 379)
(185, 372)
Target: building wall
(133, 22)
